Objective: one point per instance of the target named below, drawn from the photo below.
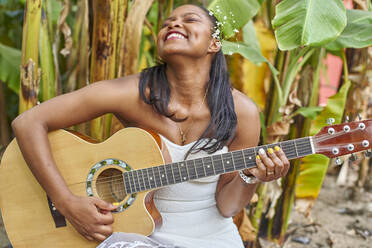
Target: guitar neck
(164, 175)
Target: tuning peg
(353, 157)
(347, 118)
(360, 116)
(330, 121)
(338, 161)
(368, 153)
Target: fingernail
(277, 148)
(270, 151)
(261, 151)
(258, 157)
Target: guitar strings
(117, 180)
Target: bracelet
(248, 179)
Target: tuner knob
(360, 116)
(338, 161)
(368, 153)
(347, 118)
(353, 157)
(330, 121)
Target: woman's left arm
(233, 193)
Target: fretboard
(164, 175)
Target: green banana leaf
(314, 167)
(358, 32)
(10, 61)
(249, 51)
(308, 22)
(308, 112)
(234, 14)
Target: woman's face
(187, 31)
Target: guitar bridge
(59, 219)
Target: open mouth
(174, 36)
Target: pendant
(183, 137)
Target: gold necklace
(184, 134)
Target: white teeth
(177, 35)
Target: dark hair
(219, 98)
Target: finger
(268, 163)
(254, 171)
(101, 204)
(280, 153)
(105, 219)
(99, 237)
(260, 166)
(88, 237)
(278, 164)
(105, 230)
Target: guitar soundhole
(110, 185)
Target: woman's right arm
(90, 216)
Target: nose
(174, 23)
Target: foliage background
(288, 60)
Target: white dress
(190, 215)
(189, 211)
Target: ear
(215, 46)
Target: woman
(189, 101)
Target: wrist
(61, 202)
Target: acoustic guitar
(126, 169)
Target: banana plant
(30, 75)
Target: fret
(228, 162)
(183, 171)
(239, 165)
(176, 173)
(289, 150)
(294, 142)
(199, 167)
(152, 178)
(146, 178)
(157, 176)
(208, 166)
(128, 187)
(217, 164)
(249, 156)
(169, 172)
(140, 180)
(136, 181)
(304, 146)
(163, 175)
(190, 166)
(131, 180)
(239, 160)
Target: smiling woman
(188, 100)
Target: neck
(188, 80)
(164, 175)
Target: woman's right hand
(90, 216)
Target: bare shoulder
(128, 83)
(248, 126)
(244, 106)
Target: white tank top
(189, 211)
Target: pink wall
(329, 80)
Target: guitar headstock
(345, 138)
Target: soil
(341, 218)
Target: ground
(341, 218)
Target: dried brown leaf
(64, 28)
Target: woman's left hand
(271, 165)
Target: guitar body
(88, 169)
